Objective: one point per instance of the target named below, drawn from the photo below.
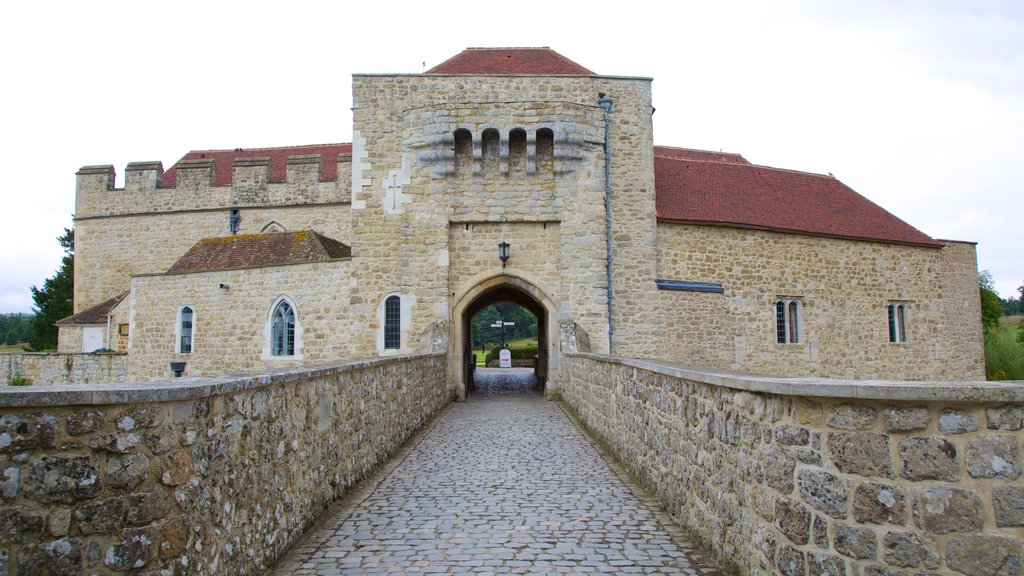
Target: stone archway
(503, 288)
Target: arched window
(787, 321)
(490, 142)
(517, 153)
(545, 153)
(185, 330)
(463, 153)
(282, 330)
(897, 313)
(393, 323)
(273, 226)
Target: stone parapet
(44, 368)
(196, 476)
(806, 476)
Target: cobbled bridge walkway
(504, 483)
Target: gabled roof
(278, 161)
(95, 315)
(541, 61)
(705, 155)
(690, 188)
(269, 249)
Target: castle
(243, 259)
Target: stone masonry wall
(231, 327)
(843, 286)
(805, 477)
(44, 368)
(195, 476)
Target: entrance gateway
(492, 290)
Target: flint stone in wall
(978, 555)
(126, 472)
(992, 456)
(83, 421)
(176, 469)
(134, 551)
(175, 539)
(101, 517)
(909, 550)
(1008, 502)
(9, 482)
(116, 443)
(929, 458)
(823, 491)
(957, 422)
(879, 503)
(820, 532)
(778, 470)
(791, 562)
(61, 479)
(825, 565)
(792, 435)
(861, 453)
(60, 522)
(147, 507)
(883, 571)
(855, 542)
(793, 520)
(58, 558)
(17, 526)
(850, 417)
(941, 510)
(900, 419)
(25, 431)
(1005, 417)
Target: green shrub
(1004, 356)
(19, 380)
(526, 353)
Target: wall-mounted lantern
(504, 252)
(235, 221)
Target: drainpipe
(608, 106)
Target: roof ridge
(748, 165)
(508, 48)
(273, 147)
(696, 149)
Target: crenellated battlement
(218, 179)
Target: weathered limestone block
(792, 435)
(60, 522)
(993, 456)
(819, 529)
(823, 491)
(825, 565)
(791, 562)
(1008, 502)
(134, 551)
(1010, 417)
(144, 508)
(855, 542)
(18, 525)
(978, 555)
(778, 470)
(9, 478)
(909, 550)
(929, 458)
(957, 422)
(126, 472)
(61, 479)
(879, 503)
(176, 469)
(58, 558)
(861, 453)
(793, 520)
(942, 510)
(27, 431)
(101, 516)
(906, 419)
(83, 421)
(850, 417)
(116, 443)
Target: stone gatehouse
(275, 257)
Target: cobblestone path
(501, 484)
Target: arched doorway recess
(502, 288)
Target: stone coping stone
(174, 389)
(894, 390)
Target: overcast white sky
(918, 105)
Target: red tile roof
(694, 189)
(278, 161)
(95, 315)
(534, 61)
(706, 155)
(272, 248)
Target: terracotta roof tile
(533, 61)
(95, 315)
(272, 248)
(706, 155)
(737, 193)
(278, 161)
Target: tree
(991, 304)
(54, 299)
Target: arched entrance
(502, 288)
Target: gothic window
(490, 142)
(787, 321)
(897, 314)
(545, 153)
(282, 330)
(185, 330)
(517, 153)
(393, 323)
(463, 153)
(273, 226)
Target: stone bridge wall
(812, 476)
(196, 476)
(45, 368)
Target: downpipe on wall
(608, 106)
